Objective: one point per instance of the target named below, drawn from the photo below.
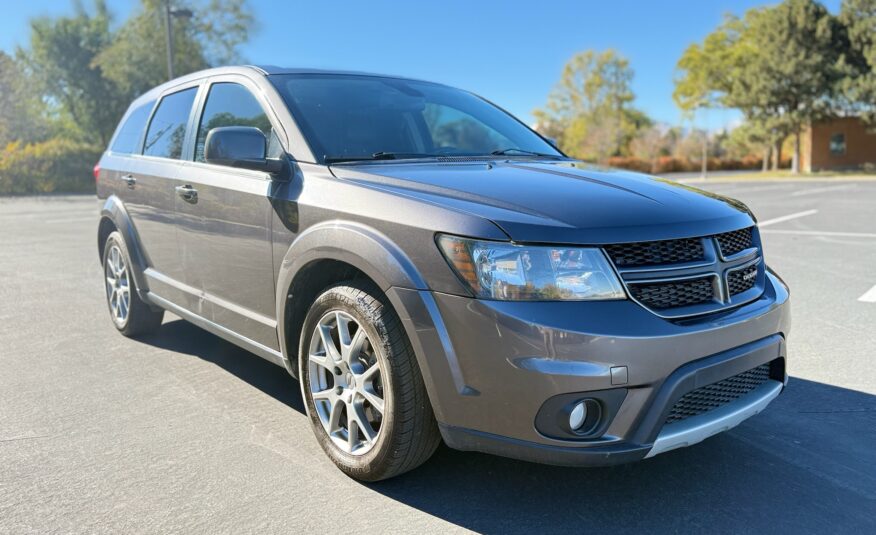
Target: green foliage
(61, 64)
(90, 72)
(589, 111)
(79, 73)
(21, 110)
(56, 165)
(706, 72)
(780, 65)
(221, 26)
(136, 59)
(591, 81)
(859, 88)
(795, 68)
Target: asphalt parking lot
(183, 432)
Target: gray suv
(431, 269)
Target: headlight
(500, 270)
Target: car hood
(559, 202)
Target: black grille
(675, 293)
(656, 252)
(734, 242)
(742, 279)
(712, 396)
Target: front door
(224, 223)
(151, 195)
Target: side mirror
(239, 146)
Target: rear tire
(372, 415)
(130, 315)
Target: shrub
(629, 162)
(54, 166)
(675, 164)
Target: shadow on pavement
(183, 337)
(807, 464)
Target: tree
(589, 111)
(61, 62)
(649, 144)
(22, 112)
(90, 73)
(859, 87)
(794, 73)
(136, 59)
(705, 73)
(750, 138)
(778, 65)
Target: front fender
(358, 245)
(114, 210)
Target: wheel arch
(114, 217)
(326, 254)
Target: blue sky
(511, 51)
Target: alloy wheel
(346, 383)
(118, 290)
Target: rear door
(153, 180)
(224, 231)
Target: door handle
(188, 193)
(129, 180)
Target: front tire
(130, 315)
(362, 386)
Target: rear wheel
(362, 386)
(129, 313)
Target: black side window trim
(201, 105)
(196, 102)
(138, 146)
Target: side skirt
(254, 347)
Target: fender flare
(114, 210)
(360, 246)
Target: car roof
(264, 70)
(269, 70)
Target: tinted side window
(128, 139)
(167, 131)
(230, 104)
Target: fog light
(578, 416)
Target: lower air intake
(712, 396)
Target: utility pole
(705, 153)
(169, 13)
(169, 33)
(706, 144)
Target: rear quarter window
(167, 130)
(127, 141)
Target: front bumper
(491, 366)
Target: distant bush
(673, 164)
(629, 162)
(54, 166)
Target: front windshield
(351, 117)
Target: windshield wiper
(380, 155)
(505, 152)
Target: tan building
(842, 143)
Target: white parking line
(788, 217)
(813, 191)
(758, 189)
(869, 296)
(822, 233)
